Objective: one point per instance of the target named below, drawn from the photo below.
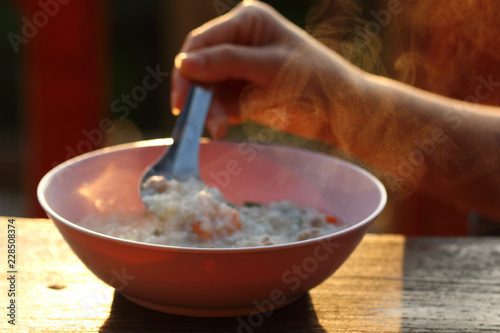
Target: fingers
(179, 87)
(223, 62)
(217, 120)
(227, 47)
(226, 62)
(249, 44)
(250, 23)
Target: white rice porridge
(189, 214)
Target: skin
(251, 53)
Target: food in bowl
(212, 281)
(191, 214)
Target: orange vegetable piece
(331, 219)
(203, 235)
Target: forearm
(417, 140)
(420, 140)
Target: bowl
(213, 282)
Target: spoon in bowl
(180, 161)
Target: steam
(442, 47)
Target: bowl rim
(56, 218)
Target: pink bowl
(213, 282)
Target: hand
(266, 69)
(248, 45)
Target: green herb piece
(251, 204)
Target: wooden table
(389, 284)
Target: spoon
(180, 161)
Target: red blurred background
(74, 76)
(80, 74)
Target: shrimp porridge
(190, 214)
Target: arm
(290, 81)
(445, 147)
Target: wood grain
(389, 284)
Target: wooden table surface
(389, 284)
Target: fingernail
(179, 58)
(189, 59)
(217, 127)
(213, 128)
(176, 111)
(174, 103)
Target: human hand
(264, 68)
(248, 45)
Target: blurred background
(78, 75)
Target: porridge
(190, 214)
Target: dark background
(139, 33)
